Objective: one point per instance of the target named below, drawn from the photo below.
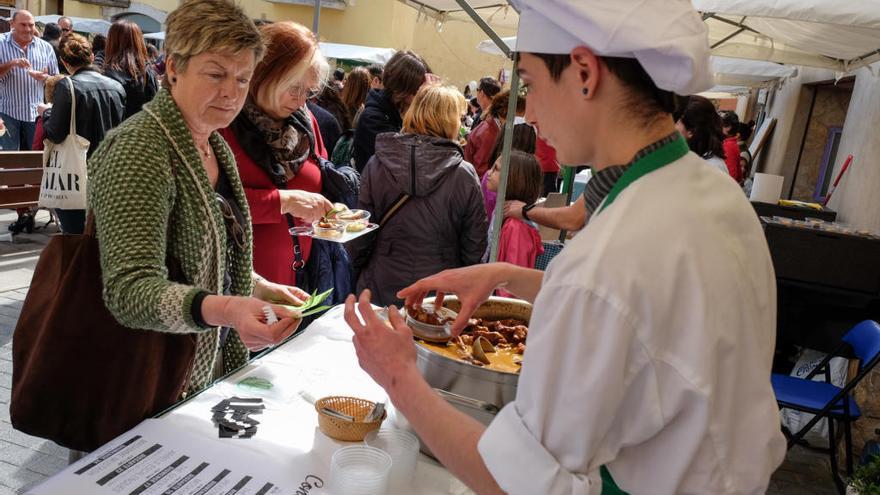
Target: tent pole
(498, 216)
(316, 20)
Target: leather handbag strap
(394, 209)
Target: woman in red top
(481, 140)
(730, 127)
(276, 146)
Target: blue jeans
(19, 134)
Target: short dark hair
(524, 178)
(489, 86)
(701, 118)
(339, 74)
(650, 100)
(99, 42)
(51, 32)
(375, 70)
(730, 119)
(404, 74)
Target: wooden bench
(20, 176)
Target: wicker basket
(347, 431)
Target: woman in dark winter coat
(442, 224)
(404, 74)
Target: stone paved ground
(26, 461)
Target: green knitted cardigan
(152, 198)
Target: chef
(647, 368)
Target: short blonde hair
(292, 51)
(199, 26)
(435, 111)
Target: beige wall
(451, 52)
(857, 198)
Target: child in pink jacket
(520, 242)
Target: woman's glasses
(298, 91)
(232, 223)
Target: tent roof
(81, 24)
(360, 53)
(829, 34)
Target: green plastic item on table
(255, 382)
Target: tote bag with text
(64, 168)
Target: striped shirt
(20, 93)
(603, 180)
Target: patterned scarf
(289, 146)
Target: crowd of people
(208, 164)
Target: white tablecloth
(317, 363)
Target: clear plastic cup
(360, 470)
(403, 447)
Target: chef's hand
(513, 209)
(385, 353)
(305, 205)
(245, 315)
(472, 284)
(279, 294)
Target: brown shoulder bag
(79, 378)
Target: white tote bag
(64, 167)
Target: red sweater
(273, 245)
(546, 156)
(731, 158)
(479, 145)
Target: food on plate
(496, 345)
(328, 229)
(354, 220)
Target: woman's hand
(245, 315)
(385, 353)
(279, 294)
(513, 209)
(472, 284)
(305, 205)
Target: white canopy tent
(81, 24)
(159, 36)
(831, 34)
(358, 53)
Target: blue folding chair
(826, 400)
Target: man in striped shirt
(26, 62)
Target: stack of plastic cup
(403, 447)
(360, 470)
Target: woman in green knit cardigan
(165, 192)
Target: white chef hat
(667, 37)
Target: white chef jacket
(649, 352)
